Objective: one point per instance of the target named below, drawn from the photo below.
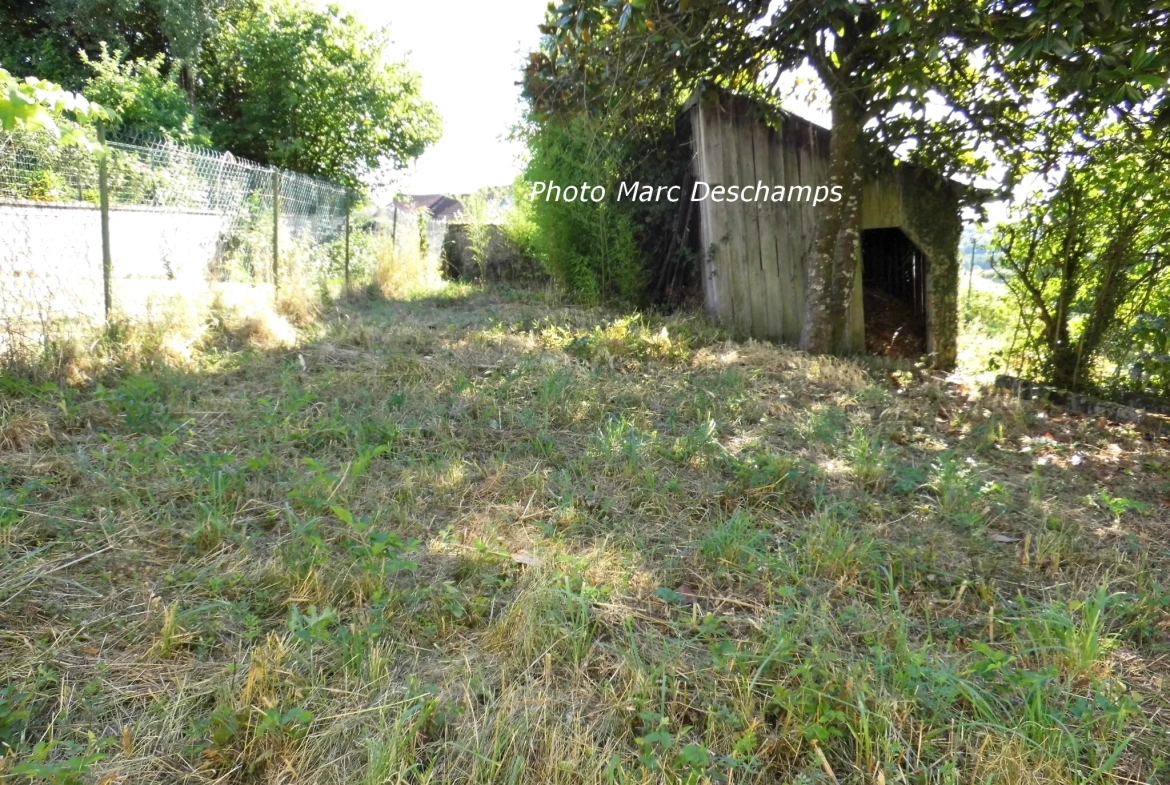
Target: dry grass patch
(483, 537)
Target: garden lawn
(485, 538)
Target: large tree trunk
(838, 241)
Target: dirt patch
(892, 328)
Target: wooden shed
(755, 254)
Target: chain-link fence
(87, 234)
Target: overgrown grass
(477, 537)
(404, 272)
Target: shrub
(609, 251)
(144, 98)
(589, 247)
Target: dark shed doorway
(894, 286)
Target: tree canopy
(143, 98)
(43, 37)
(283, 82)
(287, 84)
(956, 85)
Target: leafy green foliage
(518, 224)
(1148, 342)
(311, 90)
(377, 553)
(14, 717)
(43, 38)
(880, 63)
(1010, 78)
(1128, 39)
(143, 96)
(35, 104)
(294, 722)
(277, 81)
(589, 247)
(69, 770)
(1086, 260)
(140, 401)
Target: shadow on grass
(479, 530)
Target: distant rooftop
(444, 207)
(440, 206)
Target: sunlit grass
(477, 536)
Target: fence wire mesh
(182, 222)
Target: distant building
(450, 208)
(400, 218)
(440, 206)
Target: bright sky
(469, 53)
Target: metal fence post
(348, 203)
(275, 230)
(104, 206)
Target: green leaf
(662, 737)
(694, 755)
(298, 715)
(669, 595)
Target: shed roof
(799, 128)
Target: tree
(286, 84)
(882, 63)
(1082, 260)
(1096, 55)
(950, 84)
(1090, 256)
(44, 37)
(278, 81)
(144, 99)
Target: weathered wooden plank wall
(755, 254)
(707, 167)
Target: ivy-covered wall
(931, 218)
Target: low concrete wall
(51, 257)
(144, 241)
